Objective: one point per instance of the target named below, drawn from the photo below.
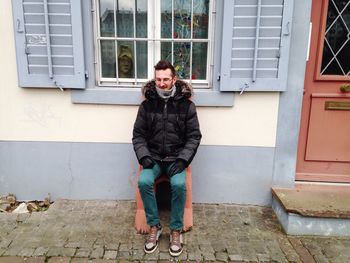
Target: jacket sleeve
(192, 135)
(140, 134)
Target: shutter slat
(55, 43)
(255, 54)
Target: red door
(324, 140)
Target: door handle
(345, 88)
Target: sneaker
(151, 243)
(176, 243)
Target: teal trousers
(178, 195)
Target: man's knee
(145, 182)
(178, 184)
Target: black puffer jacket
(168, 130)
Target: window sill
(132, 96)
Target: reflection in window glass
(108, 58)
(182, 56)
(166, 17)
(142, 59)
(200, 18)
(199, 61)
(141, 18)
(125, 18)
(186, 28)
(106, 18)
(166, 53)
(182, 18)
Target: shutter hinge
(60, 86)
(278, 55)
(245, 86)
(26, 50)
(218, 78)
(86, 74)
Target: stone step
(313, 209)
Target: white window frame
(154, 39)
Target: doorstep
(313, 209)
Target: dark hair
(164, 64)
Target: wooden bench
(140, 217)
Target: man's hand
(177, 167)
(147, 162)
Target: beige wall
(49, 115)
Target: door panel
(324, 140)
(328, 125)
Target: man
(166, 136)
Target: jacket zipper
(165, 113)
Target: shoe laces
(152, 236)
(175, 238)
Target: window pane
(107, 18)
(199, 60)
(336, 51)
(182, 59)
(200, 18)
(125, 18)
(166, 17)
(108, 58)
(142, 59)
(166, 51)
(141, 18)
(182, 18)
(126, 59)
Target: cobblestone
(221, 256)
(83, 253)
(97, 253)
(12, 251)
(26, 252)
(40, 251)
(263, 257)
(61, 251)
(58, 260)
(235, 258)
(220, 233)
(110, 254)
(194, 256)
(209, 256)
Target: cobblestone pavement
(103, 231)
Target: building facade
(68, 103)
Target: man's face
(164, 79)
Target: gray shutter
(49, 43)
(255, 49)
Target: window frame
(94, 94)
(154, 40)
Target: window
(131, 36)
(334, 53)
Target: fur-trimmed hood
(183, 89)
